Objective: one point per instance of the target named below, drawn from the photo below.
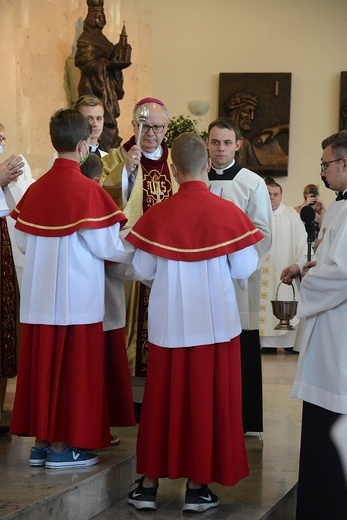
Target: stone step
(266, 494)
(170, 507)
(29, 493)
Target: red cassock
(191, 418)
(61, 390)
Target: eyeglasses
(157, 129)
(2, 138)
(324, 164)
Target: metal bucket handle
(276, 297)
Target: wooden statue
(101, 63)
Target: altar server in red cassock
(67, 226)
(189, 247)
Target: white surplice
(249, 192)
(178, 315)
(321, 377)
(77, 259)
(289, 246)
(17, 189)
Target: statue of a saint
(101, 63)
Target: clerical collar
(221, 171)
(228, 174)
(154, 155)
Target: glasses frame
(151, 127)
(324, 164)
(2, 139)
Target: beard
(325, 182)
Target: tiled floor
(273, 461)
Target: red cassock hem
(118, 383)
(191, 418)
(60, 393)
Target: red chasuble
(172, 229)
(78, 203)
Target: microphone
(308, 216)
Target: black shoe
(143, 498)
(199, 500)
(268, 350)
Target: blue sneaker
(70, 458)
(38, 456)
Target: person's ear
(166, 127)
(79, 147)
(174, 170)
(209, 164)
(238, 144)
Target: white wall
(179, 49)
(195, 40)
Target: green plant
(180, 124)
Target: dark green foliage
(180, 124)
